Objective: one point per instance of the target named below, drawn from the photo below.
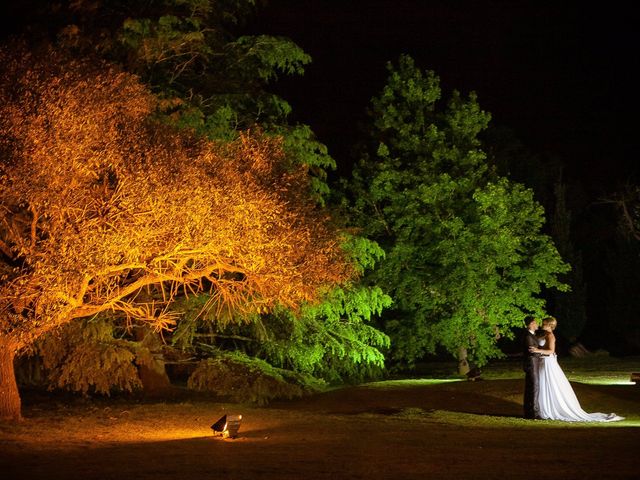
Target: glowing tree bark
(100, 202)
(9, 396)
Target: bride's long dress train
(558, 401)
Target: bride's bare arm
(550, 344)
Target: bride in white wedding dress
(556, 398)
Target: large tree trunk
(9, 394)
(463, 361)
(154, 378)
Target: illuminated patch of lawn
(412, 382)
(492, 421)
(593, 369)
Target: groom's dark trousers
(530, 367)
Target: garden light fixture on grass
(227, 426)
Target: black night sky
(562, 75)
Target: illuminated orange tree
(101, 203)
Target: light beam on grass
(412, 382)
(605, 381)
(602, 379)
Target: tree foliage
(242, 378)
(465, 256)
(331, 341)
(100, 202)
(213, 82)
(192, 53)
(563, 203)
(82, 356)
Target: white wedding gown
(558, 401)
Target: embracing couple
(548, 395)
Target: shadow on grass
(328, 447)
(464, 397)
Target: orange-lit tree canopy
(99, 202)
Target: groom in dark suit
(530, 367)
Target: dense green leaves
(248, 379)
(465, 256)
(331, 341)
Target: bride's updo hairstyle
(550, 321)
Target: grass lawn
(437, 426)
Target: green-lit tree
(465, 256)
(544, 174)
(329, 342)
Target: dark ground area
(396, 429)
